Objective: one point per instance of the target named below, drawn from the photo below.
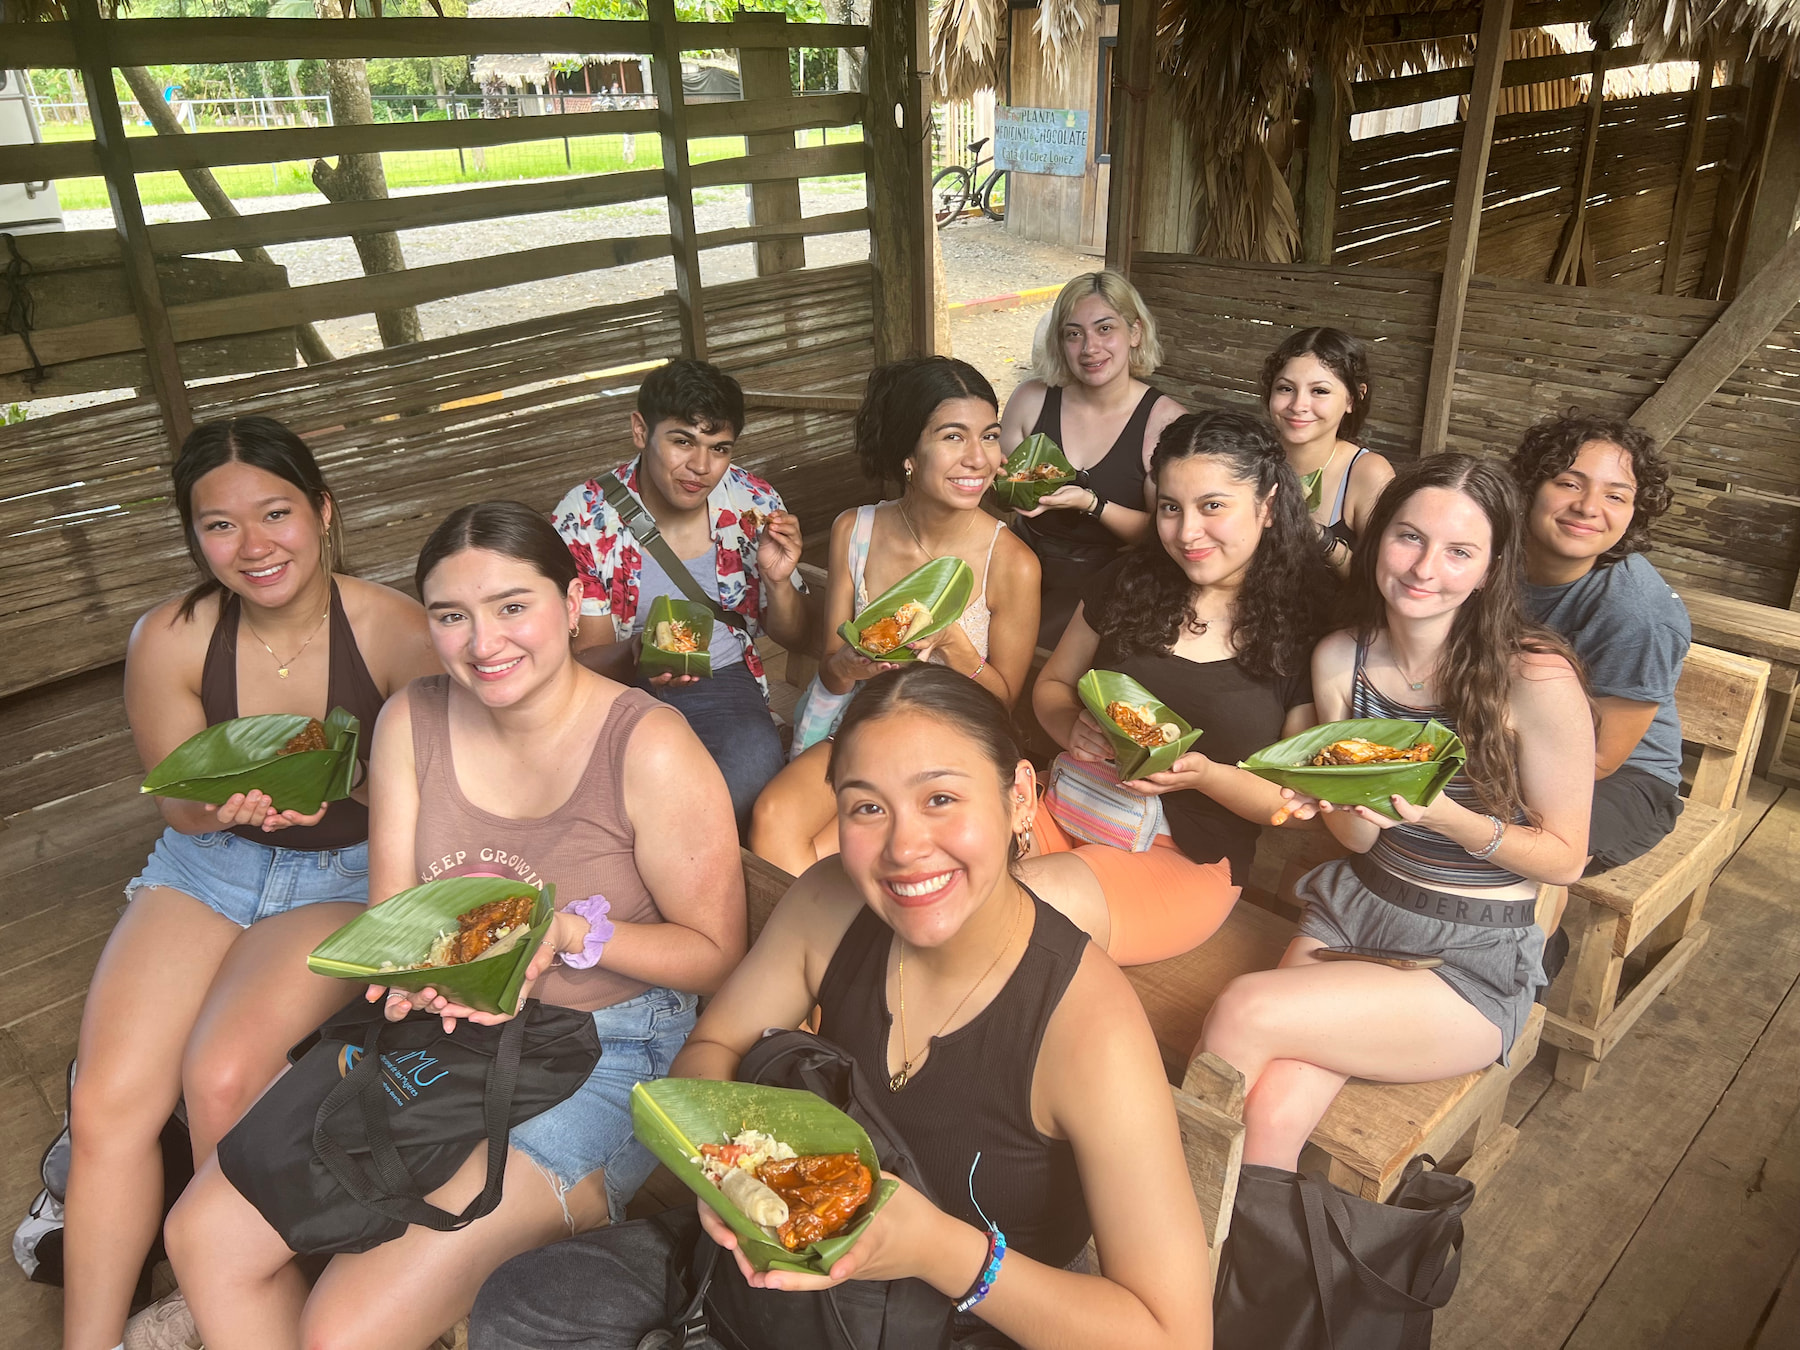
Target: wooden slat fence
(1528, 348)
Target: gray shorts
(1497, 970)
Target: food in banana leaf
(753, 520)
(1038, 473)
(815, 1195)
(1141, 725)
(1359, 751)
(309, 737)
(732, 1168)
(675, 635)
(885, 635)
(487, 930)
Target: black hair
(263, 443)
(898, 403)
(697, 392)
(1343, 354)
(511, 529)
(1551, 445)
(937, 691)
(1285, 603)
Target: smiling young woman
(932, 424)
(203, 986)
(1013, 1043)
(1436, 631)
(517, 762)
(1216, 615)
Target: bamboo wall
(1528, 349)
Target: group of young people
(1258, 573)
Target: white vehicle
(25, 208)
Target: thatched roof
(1681, 28)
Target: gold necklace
(907, 1060)
(906, 520)
(282, 667)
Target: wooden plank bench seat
(1652, 905)
(1750, 629)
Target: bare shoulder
(1013, 557)
(1544, 674)
(163, 634)
(1371, 469)
(382, 604)
(1335, 655)
(814, 915)
(1098, 1028)
(1165, 411)
(392, 632)
(1025, 402)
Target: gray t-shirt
(726, 646)
(1632, 632)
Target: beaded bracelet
(1493, 844)
(989, 1272)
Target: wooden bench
(1763, 631)
(1652, 905)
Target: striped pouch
(1086, 799)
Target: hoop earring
(325, 551)
(1023, 840)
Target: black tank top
(973, 1093)
(349, 686)
(1118, 477)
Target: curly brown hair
(1344, 354)
(1551, 446)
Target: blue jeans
(730, 716)
(245, 881)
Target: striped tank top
(1412, 852)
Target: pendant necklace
(282, 667)
(908, 1060)
(1414, 685)
(906, 520)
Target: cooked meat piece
(1037, 473)
(310, 737)
(482, 926)
(1141, 725)
(1358, 751)
(752, 521)
(823, 1191)
(884, 635)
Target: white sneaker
(166, 1325)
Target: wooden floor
(1660, 1208)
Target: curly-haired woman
(1593, 485)
(1216, 615)
(1436, 631)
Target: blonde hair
(1050, 365)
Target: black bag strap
(644, 529)
(1318, 1240)
(395, 1194)
(1437, 1275)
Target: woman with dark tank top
(1216, 615)
(1011, 1048)
(1090, 394)
(1436, 631)
(1316, 388)
(203, 984)
(517, 762)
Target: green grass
(419, 168)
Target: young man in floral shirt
(730, 532)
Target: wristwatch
(1098, 506)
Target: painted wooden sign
(1041, 140)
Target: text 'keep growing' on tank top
(584, 847)
(1412, 852)
(348, 686)
(973, 1092)
(1118, 476)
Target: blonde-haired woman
(1091, 395)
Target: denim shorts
(639, 1039)
(246, 881)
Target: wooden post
(128, 218)
(1329, 129)
(1133, 63)
(1567, 267)
(1698, 112)
(1465, 221)
(1771, 214)
(765, 75)
(678, 178)
(1738, 181)
(898, 130)
(1734, 337)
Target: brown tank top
(584, 847)
(349, 686)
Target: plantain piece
(764, 1207)
(1032, 472)
(309, 737)
(1356, 750)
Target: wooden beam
(898, 132)
(1734, 338)
(838, 222)
(678, 181)
(1328, 129)
(1698, 113)
(1423, 27)
(1465, 222)
(151, 317)
(1777, 200)
(765, 75)
(1133, 69)
(1404, 90)
(1566, 268)
(1748, 132)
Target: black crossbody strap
(643, 528)
(395, 1194)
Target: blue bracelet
(989, 1273)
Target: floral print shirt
(609, 560)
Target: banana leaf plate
(672, 1117)
(232, 757)
(942, 585)
(1101, 687)
(1034, 450)
(1289, 763)
(1314, 486)
(653, 660)
(400, 931)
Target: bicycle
(953, 188)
